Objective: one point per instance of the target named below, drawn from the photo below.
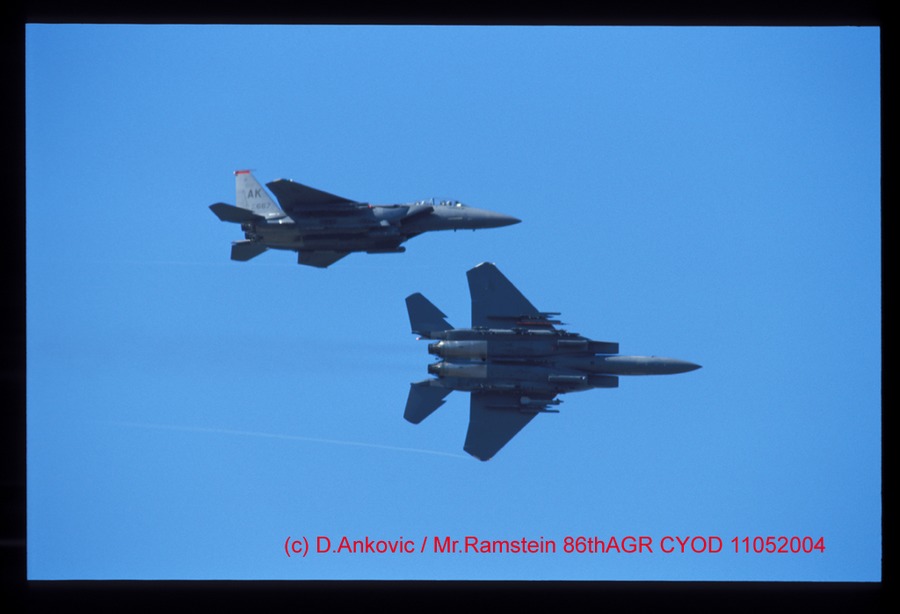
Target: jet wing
(494, 419)
(320, 259)
(298, 199)
(497, 303)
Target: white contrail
(200, 429)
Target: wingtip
(483, 459)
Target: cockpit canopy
(441, 202)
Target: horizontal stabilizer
(424, 317)
(230, 213)
(319, 259)
(423, 399)
(245, 250)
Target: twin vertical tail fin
(250, 195)
(253, 205)
(424, 318)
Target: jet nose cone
(496, 220)
(482, 218)
(683, 366)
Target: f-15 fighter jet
(323, 228)
(513, 361)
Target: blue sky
(711, 194)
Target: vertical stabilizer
(424, 318)
(250, 195)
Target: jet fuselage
(512, 360)
(369, 227)
(547, 361)
(323, 228)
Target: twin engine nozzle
(471, 350)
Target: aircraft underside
(512, 361)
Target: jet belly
(360, 218)
(510, 377)
(274, 235)
(342, 235)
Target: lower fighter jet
(323, 228)
(513, 360)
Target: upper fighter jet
(323, 228)
(513, 360)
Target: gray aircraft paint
(323, 228)
(513, 360)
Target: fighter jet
(323, 228)
(514, 361)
